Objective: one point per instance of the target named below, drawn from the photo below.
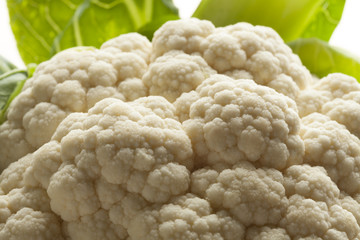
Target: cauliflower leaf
(10, 86)
(321, 58)
(5, 65)
(43, 27)
(291, 19)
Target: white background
(347, 34)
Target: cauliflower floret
(257, 52)
(337, 85)
(337, 96)
(72, 81)
(351, 205)
(131, 42)
(317, 220)
(95, 226)
(132, 88)
(186, 217)
(310, 101)
(266, 233)
(252, 196)
(315, 208)
(25, 211)
(306, 217)
(345, 112)
(136, 148)
(185, 35)
(12, 177)
(158, 161)
(12, 137)
(310, 182)
(321, 91)
(40, 122)
(223, 52)
(183, 104)
(30, 224)
(69, 95)
(175, 73)
(331, 145)
(235, 120)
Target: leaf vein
(33, 32)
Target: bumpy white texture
(182, 55)
(185, 35)
(72, 81)
(233, 120)
(331, 145)
(25, 211)
(131, 42)
(266, 233)
(315, 206)
(337, 96)
(185, 217)
(252, 196)
(136, 149)
(240, 51)
(223, 153)
(175, 73)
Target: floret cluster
(203, 133)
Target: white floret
(185, 35)
(236, 120)
(336, 96)
(131, 42)
(137, 149)
(72, 81)
(175, 73)
(321, 91)
(252, 196)
(259, 51)
(186, 217)
(331, 145)
(345, 112)
(256, 52)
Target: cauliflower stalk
(204, 133)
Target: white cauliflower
(331, 145)
(337, 96)
(165, 78)
(239, 50)
(72, 81)
(236, 120)
(205, 133)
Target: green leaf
(45, 27)
(5, 65)
(31, 69)
(171, 5)
(149, 29)
(325, 20)
(290, 18)
(10, 86)
(321, 58)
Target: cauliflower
(205, 133)
(239, 51)
(226, 126)
(72, 81)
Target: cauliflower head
(203, 133)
